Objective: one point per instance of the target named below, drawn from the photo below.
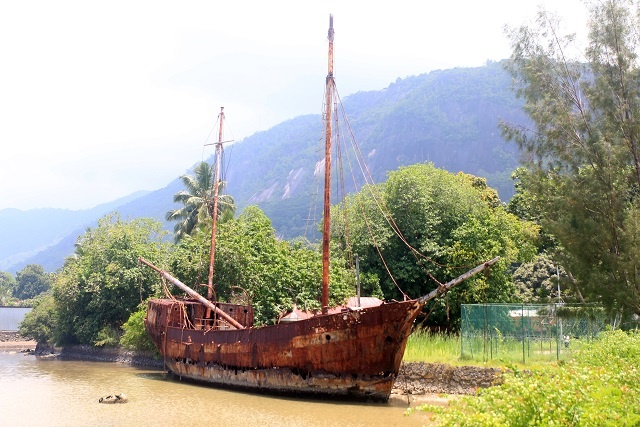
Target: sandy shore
(11, 346)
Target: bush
(601, 386)
(135, 337)
(40, 323)
(107, 337)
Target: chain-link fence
(528, 332)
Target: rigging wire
(379, 199)
(366, 220)
(312, 214)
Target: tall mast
(216, 183)
(327, 175)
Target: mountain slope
(152, 204)
(448, 117)
(26, 233)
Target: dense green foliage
(275, 273)
(97, 289)
(31, 281)
(583, 148)
(600, 387)
(537, 282)
(135, 336)
(41, 322)
(455, 222)
(198, 202)
(7, 285)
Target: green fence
(527, 332)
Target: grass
(427, 347)
(441, 348)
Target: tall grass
(424, 346)
(429, 347)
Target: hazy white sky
(100, 99)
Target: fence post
(558, 330)
(462, 327)
(522, 321)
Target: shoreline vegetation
(599, 386)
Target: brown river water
(51, 392)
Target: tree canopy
(102, 284)
(275, 273)
(582, 148)
(41, 322)
(7, 285)
(31, 281)
(452, 222)
(197, 199)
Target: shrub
(601, 386)
(107, 336)
(40, 323)
(135, 337)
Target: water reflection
(65, 393)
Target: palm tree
(197, 198)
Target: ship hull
(353, 354)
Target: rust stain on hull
(354, 354)
(286, 381)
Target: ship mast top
(216, 189)
(327, 174)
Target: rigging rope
(378, 199)
(186, 322)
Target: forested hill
(47, 236)
(448, 117)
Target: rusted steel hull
(355, 354)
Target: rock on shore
(424, 378)
(110, 354)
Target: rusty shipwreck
(351, 352)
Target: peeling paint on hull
(354, 354)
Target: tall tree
(7, 285)
(197, 201)
(31, 281)
(100, 287)
(541, 281)
(582, 148)
(274, 273)
(452, 221)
